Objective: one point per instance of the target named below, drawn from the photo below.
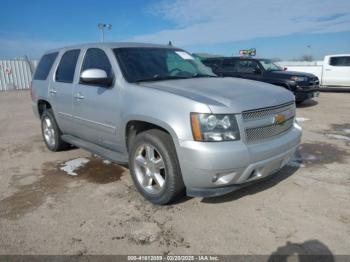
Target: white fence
(16, 74)
(299, 63)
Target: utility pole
(102, 27)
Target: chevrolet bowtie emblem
(279, 119)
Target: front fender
(154, 121)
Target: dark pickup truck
(303, 85)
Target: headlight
(214, 127)
(299, 78)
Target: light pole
(102, 27)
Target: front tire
(51, 132)
(154, 167)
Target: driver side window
(96, 58)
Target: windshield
(269, 66)
(154, 64)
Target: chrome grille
(260, 133)
(314, 82)
(266, 112)
(261, 124)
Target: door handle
(78, 96)
(52, 91)
(327, 69)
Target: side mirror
(96, 77)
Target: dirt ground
(305, 208)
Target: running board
(96, 149)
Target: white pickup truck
(334, 70)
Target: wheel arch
(135, 126)
(42, 105)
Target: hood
(288, 74)
(225, 95)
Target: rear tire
(154, 167)
(51, 132)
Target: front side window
(268, 65)
(66, 68)
(340, 61)
(44, 66)
(153, 64)
(247, 67)
(96, 58)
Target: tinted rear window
(212, 63)
(340, 61)
(66, 68)
(44, 66)
(230, 65)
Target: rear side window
(214, 64)
(44, 66)
(66, 68)
(340, 61)
(96, 58)
(230, 65)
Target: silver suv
(178, 126)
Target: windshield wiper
(159, 78)
(202, 75)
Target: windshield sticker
(184, 55)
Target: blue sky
(276, 28)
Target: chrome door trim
(95, 123)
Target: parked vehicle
(333, 71)
(303, 85)
(178, 126)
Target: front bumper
(212, 169)
(304, 95)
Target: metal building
(16, 74)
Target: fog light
(223, 178)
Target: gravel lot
(304, 209)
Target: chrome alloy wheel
(149, 169)
(49, 132)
